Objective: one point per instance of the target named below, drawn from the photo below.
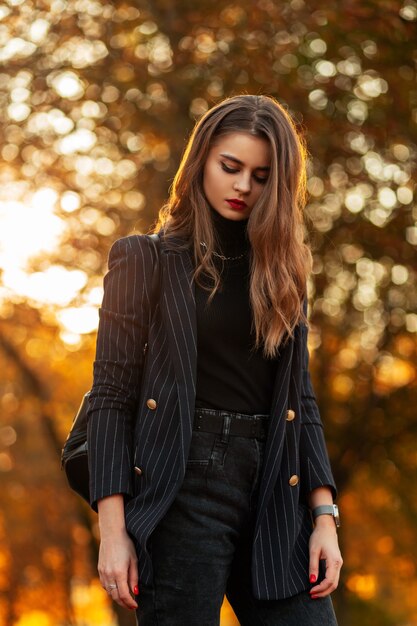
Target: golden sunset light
(28, 231)
(28, 228)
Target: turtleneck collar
(231, 234)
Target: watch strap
(327, 509)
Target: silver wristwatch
(327, 509)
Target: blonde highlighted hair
(280, 257)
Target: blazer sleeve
(122, 333)
(314, 460)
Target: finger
(327, 586)
(124, 595)
(114, 595)
(134, 577)
(109, 586)
(324, 589)
(314, 565)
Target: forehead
(250, 149)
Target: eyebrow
(239, 162)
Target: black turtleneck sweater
(231, 374)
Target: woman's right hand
(117, 563)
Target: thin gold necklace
(221, 256)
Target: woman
(207, 458)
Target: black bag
(74, 457)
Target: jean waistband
(231, 423)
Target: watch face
(336, 515)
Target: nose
(243, 183)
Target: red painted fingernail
(136, 590)
(314, 597)
(313, 578)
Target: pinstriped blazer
(126, 431)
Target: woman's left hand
(324, 545)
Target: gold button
(151, 404)
(290, 415)
(294, 480)
(138, 470)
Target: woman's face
(235, 173)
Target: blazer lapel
(179, 313)
(276, 432)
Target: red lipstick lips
(237, 205)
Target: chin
(231, 214)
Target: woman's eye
(229, 170)
(260, 180)
(233, 170)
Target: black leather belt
(222, 422)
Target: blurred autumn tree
(96, 101)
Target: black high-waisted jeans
(201, 549)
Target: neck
(231, 235)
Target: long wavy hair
(280, 257)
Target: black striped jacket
(160, 389)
